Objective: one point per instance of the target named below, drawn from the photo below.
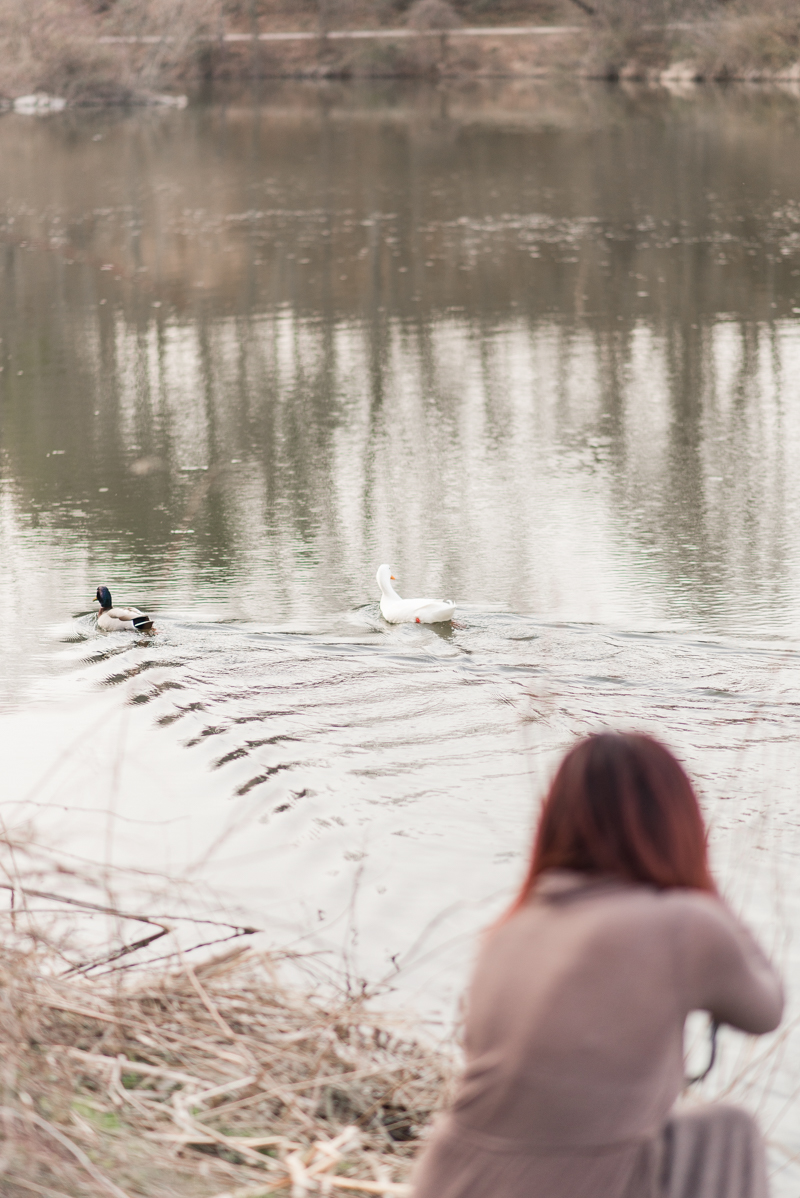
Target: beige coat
(574, 1036)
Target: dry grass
(50, 46)
(634, 38)
(178, 37)
(750, 42)
(742, 39)
(135, 1064)
(430, 15)
(207, 1080)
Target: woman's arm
(725, 972)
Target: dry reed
(187, 1078)
(209, 1079)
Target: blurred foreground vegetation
(152, 1055)
(122, 51)
(206, 1079)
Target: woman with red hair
(574, 1025)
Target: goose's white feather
(397, 610)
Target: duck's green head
(103, 597)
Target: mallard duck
(410, 611)
(115, 619)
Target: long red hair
(621, 804)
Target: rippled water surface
(537, 348)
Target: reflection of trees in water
(371, 303)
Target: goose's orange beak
(393, 578)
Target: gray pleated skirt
(709, 1152)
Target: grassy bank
(152, 1055)
(205, 1080)
(125, 51)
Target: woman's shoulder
(699, 911)
(686, 903)
(701, 927)
(611, 917)
(562, 888)
(565, 894)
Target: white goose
(117, 619)
(410, 611)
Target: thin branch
(104, 910)
(122, 951)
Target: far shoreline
(105, 66)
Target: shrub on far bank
(747, 41)
(428, 15)
(489, 12)
(50, 46)
(737, 39)
(186, 31)
(428, 54)
(633, 38)
(54, 46)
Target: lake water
(539, 349)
